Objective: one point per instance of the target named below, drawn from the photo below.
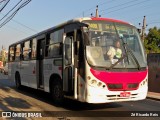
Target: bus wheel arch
(56, 88)
(18, 80)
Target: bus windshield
(112, 44)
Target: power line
(11, 10)
(118, 5)
(17, 21)
(14, 13)
(150, 14)
(153, 22)
(100, 4)
(24, 25)
(126, 7)
(2, 1)
(4, 4)
(16, 29)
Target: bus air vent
(132, 85)
(115, 86)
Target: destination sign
(110, 28)
(94, 26)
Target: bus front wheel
(57, 93)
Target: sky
(39, 15)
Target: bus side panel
(13, 68)
(51, 66)
(11, 71)
(28, 73)
(32, 74)
(24, 72)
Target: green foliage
(152, 41)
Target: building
(4, 56)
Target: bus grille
(129, 86)
(115, 86)
(118, 97)
(132, 85)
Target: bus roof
(110, 20)
(72, 21)
(97, 19)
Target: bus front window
(107, 46)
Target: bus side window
(11, 54)
(26, 50)
(54, 43)
(47, 50)
(34, 49)
(17, 52)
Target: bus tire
(57, 92)
(18, 81)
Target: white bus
(71, 60)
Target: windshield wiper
(119, 60)
(133, 56)
(127, 50)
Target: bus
(70, 61)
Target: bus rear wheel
(18, 81)
(57, 93)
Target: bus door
(68, 85)
(40, 57)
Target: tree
(152, 41)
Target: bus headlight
(99, 84)
(93, 82)
(96, 83)
(144, 82)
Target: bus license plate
(125, 94)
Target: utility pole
(97, 14)
(144, 28)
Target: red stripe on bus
(60, 68)
(120, 77)
(110, 20)
(34, 71)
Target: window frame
(31, 43)
(13, 57)
(18, 58)
(48, 50)
(28, 51)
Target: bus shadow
(68, 104)
(78, 106)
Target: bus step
(41, 87)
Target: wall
(154, 72)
